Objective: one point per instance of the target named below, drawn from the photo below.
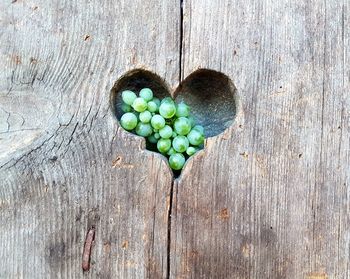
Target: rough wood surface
(65, 165)
(268, 198)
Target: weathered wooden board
(65, 165)
(269, 198)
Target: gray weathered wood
(269, 198)
(65, 165)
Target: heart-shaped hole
(211, 96)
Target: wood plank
(269, 198)
(65, 165)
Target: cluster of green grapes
(168, 127)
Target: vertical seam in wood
(169, 228)
(173, 182)
(181, 39)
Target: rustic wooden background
(268, 198)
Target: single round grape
(167, 100)
(143, 129)
(139, 104)
(171, 151)
(191, 150)
(157, 101)
(192, 120)
(166, 132)
(199, 128)
(156, 135)
(152, 106)
(145, 116)
(167, 110)
(182, 110)
(128, 121)
(126, 108)
(180, 144)
(152, 139)
(128, 97)
(174, 135)
(177, 161)
(163, 145)
(157, 121)
(146, 94)
(182, 126)
(195, 137)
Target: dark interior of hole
(211, 97)
(135, 81)
(210, 94)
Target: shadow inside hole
(212, 98)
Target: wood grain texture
(269, 198)
(65, 164)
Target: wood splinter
(87, 249)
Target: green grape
(167, 100)
(163, 145)
(199, 128)
(126, 108)
(191, 150)
(167, 110)
(163, 123)
(182, 126)
(128, 97)
(195, 137)
(128, 121)
(143, 130)
(157, 101)
(182, 110)
(192, 121)
(152, 139)
(166, 132)
(152, 106)
(176, 161)
(171, 151)
(180, 144)
(157, 121)
(139, 104)
(146, 94)
(145, 116)
(156, 135)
